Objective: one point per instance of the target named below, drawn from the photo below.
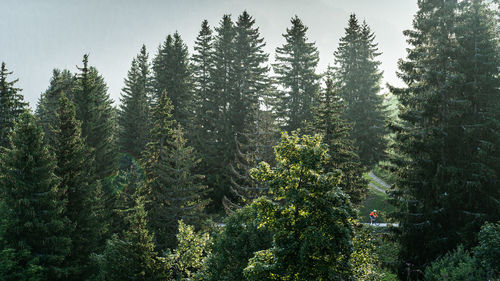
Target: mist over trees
(220, 165)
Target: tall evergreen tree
(222, 78)
(358, 77)
(133, 116)
(448, 142)
(172, 191)
(35, 234)
(94, 109)
(336, 134)
(207, 107)
(11, 105)
(250, 85)
(172, 74)
(295, 68)
(74, 168)
(46, 110)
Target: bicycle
(374, 221)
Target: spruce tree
(94, 109)
(251, 83)
(357, 74)
(295, 69)
(223, 85)
(46, 110)
(74, 168)
(35, 232)
(132, 256)
(133, 115)
(172, 191)
(207, 106)
(172, 74)
(447, 163)
(11, 105)
(336, 132)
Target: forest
(219, 165)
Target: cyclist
(373, 216)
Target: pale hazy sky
(37, 36)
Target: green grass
(367, 177)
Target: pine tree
(251, 83)
(250, 74)
(61, 82)
(172, 191)
(336, 134)
(207, 106)
(133, 116)
(295, 68)
(11, 105)
(222, 79)
(172, 74)
(94, 109)
(358, 77)
(35, 234)
(447, 158)
(132, 256)
(74, 168)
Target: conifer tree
(207, 106)
(336, 134)
(251, 83)
(35, 233)
(295, 68)
(172, 191)
(447, 143)
(46, 111)
(172, 74)
(11, 105)
(132, 256)
(133, 116)
(223, 79)
(94, 109)
(74, 168)
(358, 77)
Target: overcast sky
(37, 36)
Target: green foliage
(172, 191)
(357, 76)
(133, 115)
(46, 110)
(74, 167)
(188, 259)
(446, 157)
(94, 109)
(364, 259)
(295, 69)
(480, 264)
(131, 257)
(172, 74)
(457, 266)
(11, 105)
(242, 235)
(35, 231)
(310, 216)
(336, 134)
(488, 250)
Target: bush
(458, 265)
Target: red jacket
(373, 214)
